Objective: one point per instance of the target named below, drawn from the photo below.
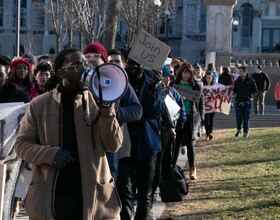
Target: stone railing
(264, 59)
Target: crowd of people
(79, 148)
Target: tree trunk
(111, 24)
(70, 37)
(57, 43)
(81, 40)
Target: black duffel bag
(174, 186)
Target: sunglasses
(78, 67)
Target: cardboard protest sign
(188, 94)
(217, 98)
(149, 51)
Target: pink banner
(218, 98)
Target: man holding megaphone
(65, 135)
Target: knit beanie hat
(5, 61)
(16, 61)
(96, 47)
(166, 71)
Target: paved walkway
(271, 118)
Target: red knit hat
(97, 47)
(16, 61)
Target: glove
(62, 159)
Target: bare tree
(111, 24)
(29, 40)
(91, 18)
(56, 11)
(144, 14)
(71, 22)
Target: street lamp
(167, 15)
(18, 29)
(235, 24)
(157, 3)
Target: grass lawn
(238, 178)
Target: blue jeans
(113, 161)
(242, 113)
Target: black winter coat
(244, 89)
(10, 93)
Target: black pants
(185, 137)
(209, 118)
(164, 159)
(144, 180)
(124, 186)
(68, 207)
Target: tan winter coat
(38, 141)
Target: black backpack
(174, 186)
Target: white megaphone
(108, 79)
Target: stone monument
(219, 30)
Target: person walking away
(65, 134)
(263, 84)
(225, 78)
(244, 89)
(195, 116)
(208, 80)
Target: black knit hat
(5, 60)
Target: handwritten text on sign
(218, 98)
(188, 94)
(149, 51)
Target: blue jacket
(151, 99)
(130, 108)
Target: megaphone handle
(99, 85)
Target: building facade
(258, 29)
(36, 33)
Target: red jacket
(33, 92)
(277, 92)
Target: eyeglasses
(90, 56)
(78, 67)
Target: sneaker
(183, 150)
(237, 133)
(207, 138)
(193, 173)
(211, 136)
(246, 134)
